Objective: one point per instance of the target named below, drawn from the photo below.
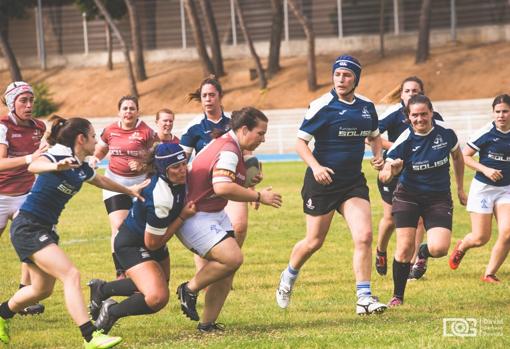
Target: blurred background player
(394, 122)
(164, 126)
(128, 142)
(489, 194)
(21, 142)
(340, 121)
(422, 154)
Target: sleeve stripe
(304, 135)
(92, 177)
(222, 180)
(455, 147)
(155, 231)
(472, 145)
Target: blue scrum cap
(167, 154)
(349, 63)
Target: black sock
(123, 287)
(86, 330)
(134, 305)
(118, 268)
(5, 312)
(379, 253)
(423, 251)
(21, 286)
(400, 274)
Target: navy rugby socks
(86, 330)
(5, 312)
(134, 305)
(123, 287)
(400, 275)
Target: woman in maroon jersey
(20, 144)
(164, 126)
(128, 142)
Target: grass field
(322, 313)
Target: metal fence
(164, 25)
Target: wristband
(258, 197)
(179, 216)
(28, 159)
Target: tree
(116, 9)
(11, 9)
(247, 38)
(125, 49)
(422, 52)
(191, 11)
(136, 40)
(310, 39)
(273, 62)
(381, 27)
(210, 22)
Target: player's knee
(438, 251)
(363, 239)
(404, 255)
(313, 245)
(157, 300)
(43, 291)
(235, 261)
(480, 240)
(72, 276)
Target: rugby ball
(253, 168)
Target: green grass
(322, 313)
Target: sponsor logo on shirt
(67, 188)
(342, 112)
(439, 143)
(16, 135)
(365, 113)
(416, 148)
(498, 157)
(350, 132)
(43, 238)
(136, 136)
(425, 165)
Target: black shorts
(29, 235)
(130, 249)
(436, 208)
(320, 199)
(386, 190)
(118, 202)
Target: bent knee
(157, 300)
(313, 245)
(235, 261)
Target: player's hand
(93, 162)
(270, 198)
(67, 164)
(377, 163)
(42, 149)
(462, 197)
(137, 189)
(493, 174)
(323, 175)
(188, 210)
(396, 167)
(136, 166)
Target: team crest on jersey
(136, 136)
(439, 143)
(309, 204)
(365, 113)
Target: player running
(422, 155)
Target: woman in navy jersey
(21, 142)
(489, 194)
(141, 243)
(128, 143)
(340, 121)
(61, 173)
(422, 155)
(393, 121)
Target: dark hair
(128, 98)
(417, 99)
(164, 110)
(248, 116)
(197, 94)
(64, 131)
(394, 95)
(504, 98)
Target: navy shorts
(321, 199)
(118, 202)
(29, 235)
(130, 249)
(386, 190)
(436, 208)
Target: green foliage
(116, 8)
(322, 313)
(43, 104)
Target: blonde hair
(394, 95)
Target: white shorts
(125, 181)
(8, 206)
(483, 197)
(204, 230)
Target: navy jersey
(198, 132)
(494, 148)
(163, 203)
(426, 158)
(393, 121)
(52, 190)
(340, 129)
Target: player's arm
(491, 173)
(376, 146)
(321, 174)
(458, 170)
(99, 154)
(153, 241)
(104, 182)
(43, 164)
(7, 163)
(390, 169)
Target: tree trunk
(150, 24)
(136, 40)
(109, 46)
(310, 39)
(7, 51)
(246, 34)
(191, 11)
(55, 14)
(381, 27)
(273, 64)
(125, 50)
(210, 22)
(422, 52)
